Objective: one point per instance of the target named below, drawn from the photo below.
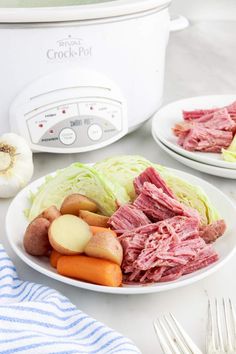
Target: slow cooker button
(67, 136)
(95, 132)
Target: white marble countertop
(200, 60)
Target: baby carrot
(54, 256)
(90, 269)
(96, 229)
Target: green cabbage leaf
(123, 169)
(229, 154)
(77, 178)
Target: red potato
(51, 213)
(96, 229)
(94, 219)
(69, 234)
(36, 240)
(104, 245)
(76, 202)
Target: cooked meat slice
(196, 114)
(182, 129)
(205, 139)
(219, 120)
(158, 205)
(127, 217)
(211, 232)
(152, 176)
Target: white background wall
(205, 9)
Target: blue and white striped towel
(36, 319)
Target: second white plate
(166, 118)
(202, 167)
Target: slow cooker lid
(34, 11)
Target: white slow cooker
(78, 77)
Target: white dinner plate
(16, 224)
(166, 118)
(212, 170)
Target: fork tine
(220, 342)
(233, 317)
(210, 337)
(186, 342)
(218, 327)
(164, 346)
(221, 330)
(228, 324)
(173, 338)
(176, 332)
(172, 342)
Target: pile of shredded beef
(162, 239)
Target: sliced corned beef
(182, 129)
(232, 110)
(211, 232)
(157, 205)
(204, 257)
(171, 274)
(204, 139)
(127, 217)
(219, 120)
(152, 176)
(170, 248)
(180, 227)
(195, 114)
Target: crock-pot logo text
(69, 48)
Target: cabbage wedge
(78, 178)
(124, 169)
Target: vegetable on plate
(35, 239)
(82, 179)
(73, 203)
(124, 169)
(229, 154)
(96, 229)
(51, 213)
(93, 270)
(104, 245)
(94, 219)
(54, 256)
(69, 234)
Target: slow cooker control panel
(79, 124)
(70, 111)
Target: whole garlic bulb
(16, 164)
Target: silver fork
(173, 338)
(221, 328)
